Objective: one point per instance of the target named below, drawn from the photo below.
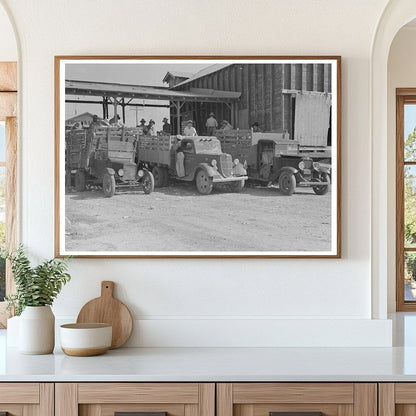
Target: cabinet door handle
(139, 414)
(295, 413)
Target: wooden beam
(8, 105)
(8, 76)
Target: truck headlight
(140, 173)
(214, 163)
(301, 165)
(120, 172)
(316, 165)
(236, 162)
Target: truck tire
(203, 182)
(237, 186)
(68, 178)
(109, 185)
(165, 176)
(287, 183)
(159, 176)
(321, 189)
(148, 182)
(80, 180)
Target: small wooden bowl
(85, 340)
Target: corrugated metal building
(265, 93)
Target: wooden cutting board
(107, 309)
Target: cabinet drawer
(297, 399)
(21, 399)
(397, 399)
(144, 399)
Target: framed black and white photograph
(198, 156)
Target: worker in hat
(115, 121)
(142, 127)
(211, 124)
(166, 129)
(152, 129)
(189, 130)
(225, 125)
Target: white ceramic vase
(37, 330)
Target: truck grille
(129, 171)
(226, 164)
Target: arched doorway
(396, 15)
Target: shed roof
(104, 89)
(79, 117)
(202, 73)
(177, 74)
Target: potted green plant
(36, 289)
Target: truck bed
(156, 149)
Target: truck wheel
(159, 177)
(287, 183)
(148, 182)
(68, 178)
(80, 180)
(322, 189)
(165, 176)
(109, 185)
(203, 182)
(237, 186)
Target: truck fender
(208, 169)
(290, 169)
(111, 171)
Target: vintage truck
(196, 159)
(271, 158)
(105, 156)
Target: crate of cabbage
(198, 160)
(105, 156)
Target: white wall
(8, 47)
(401, 74)
(204, 302)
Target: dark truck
(272, 158)
(196, 159)
(105, 156)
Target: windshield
(208, 145)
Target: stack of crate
(155, 142)
(76, 142)
(236, 142)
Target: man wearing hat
(167, 129)
(211, 124)
(142, 127)
(151, 129)
(189, 130)
(115, 121)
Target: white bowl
(83, 340)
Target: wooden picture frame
(265, 182)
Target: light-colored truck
(198, 159)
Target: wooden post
(123, 109)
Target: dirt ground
(178, 218)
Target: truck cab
(280, 162)
(204, 162)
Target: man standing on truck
(142, 127)
(166, 129)
(151, 131)
(189, 130)
(211, 124)
(115, 121)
